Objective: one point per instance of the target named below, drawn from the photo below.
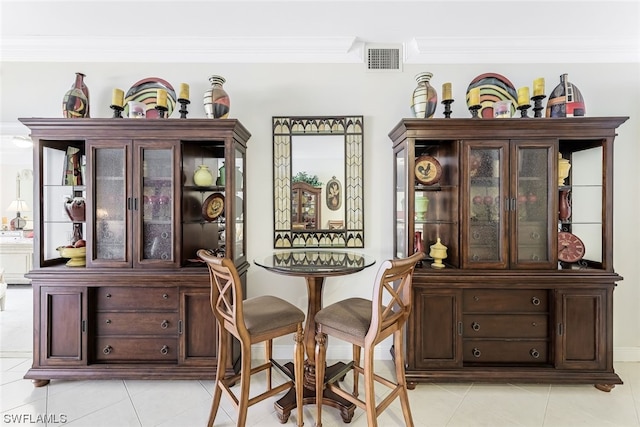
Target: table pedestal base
(287, 403)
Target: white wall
(260, 91)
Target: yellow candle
(446, 91)
(538, 86)
(161, 98)
(474, 96)
(5, 220)
(184, 91)
(523, 96)
(117, 97)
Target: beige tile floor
(121, 403)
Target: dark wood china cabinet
(139, 307)
(305, 206)
(525, 209)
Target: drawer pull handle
(475, 326)
(108, 295)
(165, 296)
(476, 352)
(535, 301)
(476, 298)
(107, 349)
(164, 350)
(108, 321)
(164, 324)
(534, 353)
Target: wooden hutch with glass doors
(137, 306)
(525, 209)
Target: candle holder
(523, 110)
(161, 111)
(183, 107)
(117, 111)
(537, 105)
(447, 108)
(474, 111)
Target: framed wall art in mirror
(329, 149)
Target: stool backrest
(226, 292)
(392, 297)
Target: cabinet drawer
(136, 349)
(505, 301)
(505, 351)
(505, 326)
(142, 298)
(162, 323)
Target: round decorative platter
(493, 87)
(213, 207)
(145, 91)
(427, 170)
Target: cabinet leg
(604, 387)
(411, 386)
(39, 383)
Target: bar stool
(251, 321)
(365, 323)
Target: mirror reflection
(317, 170)
(318, 174)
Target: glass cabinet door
(153, 203)
(533, 192)
(485, 165)
(400, 203)
(110, 202)
(240, 228)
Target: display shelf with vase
(526, 268)
(203, 177)
(143, 225)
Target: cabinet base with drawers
(124, 324)
(529, 327)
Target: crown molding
(181, 49)
(431, 50)
(517, 50)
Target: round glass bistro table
(314, 265)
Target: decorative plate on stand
(213, 207)
(493, 87)
(145, 91)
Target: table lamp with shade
(17, 206)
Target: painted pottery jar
(203, 177)
(216, 100)
(566, 100)
(425, 98)
(75, 208)
(75, 103)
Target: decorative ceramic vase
(221, 176)
(75, 208)
(203, 177)
(563, 169)
(425, 98)
(75, 103)
(438, 253)
(216, 100)
(422, 204)
(564, 206)
(565, 100)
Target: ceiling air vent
(384, 58)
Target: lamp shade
(18, 206)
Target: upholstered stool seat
(350, 317)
